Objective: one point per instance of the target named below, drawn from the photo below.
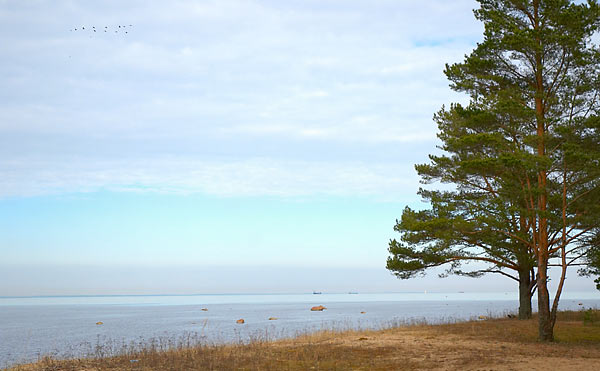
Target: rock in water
(318, 308)
(99, 323)
(272, 318)
(240, 321)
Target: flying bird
(82, 28)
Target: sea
(89, 326)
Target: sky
(219, 146)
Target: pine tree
(524, 156)
(476, 222)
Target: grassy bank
(497, 344)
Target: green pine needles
(522, 159)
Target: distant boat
(317, 292)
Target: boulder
(318, 308)
(99, 323)
(272, 318)
(204, 309)
(240, 321)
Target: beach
(485, 344)
(83, 326)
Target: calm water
(66, 326)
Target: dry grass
(254, 356)
(569, 330)
(497, 344)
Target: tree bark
(524, 295)
(545, 325)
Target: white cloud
(255, 177)
(236, 80)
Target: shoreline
(498, 344)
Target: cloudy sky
(218, 145)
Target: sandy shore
(446, 348)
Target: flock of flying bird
(122, 29)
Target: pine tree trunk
(524, 295)
(545, 325)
